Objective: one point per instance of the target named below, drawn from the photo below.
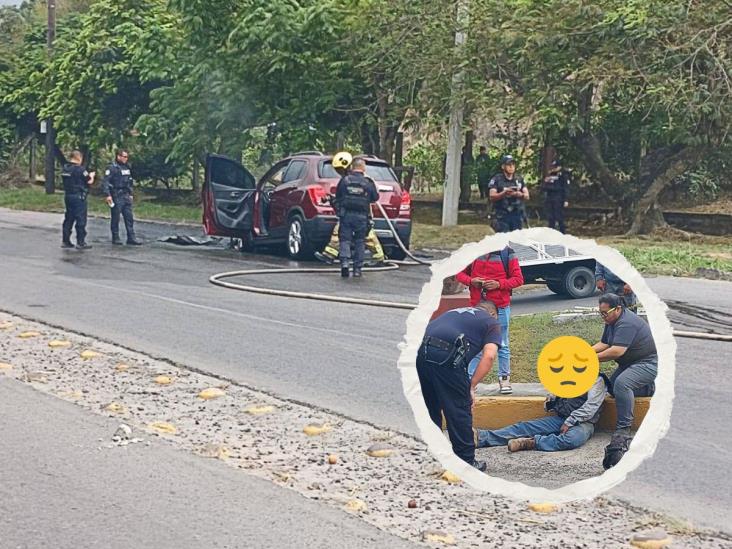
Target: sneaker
(83, 246)
(482, 466)
(325, 258)
(134, 242)
(344, 272)
(519, 444)
(67, 245)
(356, 273)
(504, 383)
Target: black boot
(344, 271)
(116, 241)
(83, 246)
(66, 244)
(133, 242)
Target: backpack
(504, 259)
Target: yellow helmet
(342, 159)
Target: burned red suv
(288, 205)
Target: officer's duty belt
(437, 343)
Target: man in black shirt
(76, 187)
(507, 192)
(118, 187)
(556, 189)
(450, 342)
(354, 195)
(627, 339)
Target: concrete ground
(157, 299)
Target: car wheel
(579, 282)
(298, 246)
(556, 286)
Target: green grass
(146, 207)
(529, 334)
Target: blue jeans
(504, 353)
(545, 431)
(629, 382)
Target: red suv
(289, 205)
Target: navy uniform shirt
(478, 327)
(633, 333)
(507, 205)
(118, 178)
(75, 178)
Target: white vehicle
(563, 270)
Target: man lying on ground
(570, 428)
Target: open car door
(228, 197)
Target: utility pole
(451, 195)
(50, 165)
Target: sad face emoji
(567, 366)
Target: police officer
(556, 189)
(76, 187)
(450, 342)
(118, 187)
(354, 195)
(507, 192)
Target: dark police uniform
(354, 194)
(451, 341)
(508, 210)
(76, 181)
(556, 189)
(118, 184)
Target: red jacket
(491, 267)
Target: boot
(518, 444)
(325, 258)
(67, 245)
(480, 465)
(116, 241)
(83, 246)
(344, 271)
(133, 242)
(357, 272)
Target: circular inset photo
(535, 397)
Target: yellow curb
(495, 412)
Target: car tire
(556, 286)
(297, 244)
(579, 282)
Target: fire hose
(390, 265)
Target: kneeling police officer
(450, 342)
(354, 195)
(76, 188)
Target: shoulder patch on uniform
(106, 172)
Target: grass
(146, 207)
(665, 254)
(529, 334)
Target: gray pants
(629, 382)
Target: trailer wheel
(579, 282)
(556, 286)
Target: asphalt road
(59, 489)
(157, 299)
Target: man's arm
(493, 194)
(465, 276)
(107, 181)
(600, 346)
(611, 353)
(595, 398)
(490, 351)
(524, 191)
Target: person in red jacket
(492, 277)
